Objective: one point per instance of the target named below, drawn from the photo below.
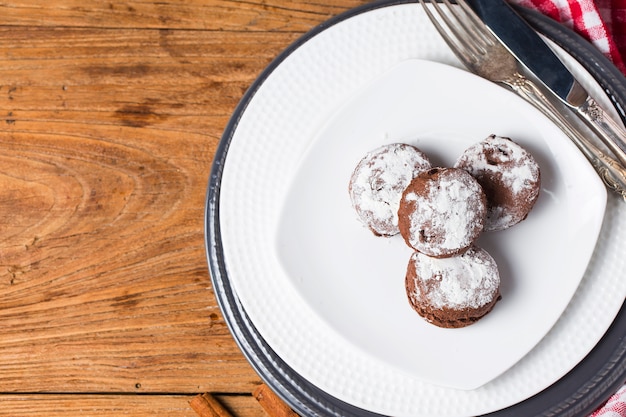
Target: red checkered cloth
(602, 22)
(614, 407)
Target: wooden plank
(55, 405)
(41, 45)
(231, 15)
(135, 81)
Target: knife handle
(612, 173)
(607, 129)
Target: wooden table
(110, 114)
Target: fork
(483, 54)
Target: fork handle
(607, 129)
(610, 171)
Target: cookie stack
(440, 212)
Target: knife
(528, 47)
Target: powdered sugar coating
(467, 281)
(442, 212)
(509, 175)
(378, 181)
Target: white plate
(274, 139)
(355, 281)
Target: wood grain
(110, 114)
(54, 405)
(212, 15)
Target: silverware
(483, 54)
(523, 42)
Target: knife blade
(531, 50)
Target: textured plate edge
(310, 401)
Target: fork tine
(447, 30)
(456, 40)
(478, 26)
(460, 28)
(472, 23)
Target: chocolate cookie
(442, 212)
(509, 175)
(453, 292)
(378, 181)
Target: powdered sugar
(502, 158)
(498, 218)
(470, 280)
(378, 181)
(446, 214)
(509, 175)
